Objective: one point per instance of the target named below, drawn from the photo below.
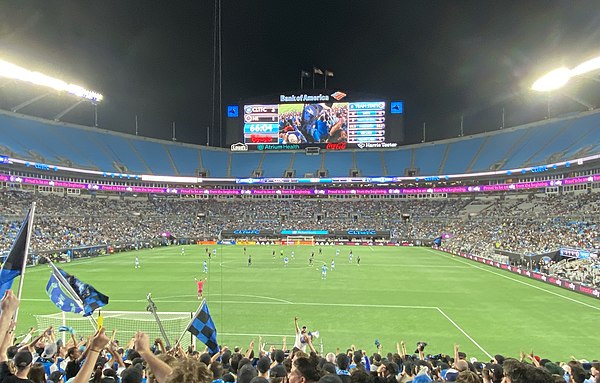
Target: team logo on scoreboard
(239, 147)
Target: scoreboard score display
(261, 124)
(350, 122)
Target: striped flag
(317, 71)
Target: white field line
(464, 333)
(476, 266)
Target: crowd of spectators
(519, 224)
(45, 358)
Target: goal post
(300, 240)
(126, 323)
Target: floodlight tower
(558, 78)
(14, 72)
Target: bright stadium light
(560, 77)
(553, 80)
(586, 67)
(16, 72)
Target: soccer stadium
(311, 247)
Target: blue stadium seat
(186, 159)
(397, 161)
(370, 163)
(537, 138)
(122, 150)
(275, 164)
(338, 164)
(215, 161)
(495, 148)
(244, 164)
(460, 154)
(154, 155)
(304, 164)
(428, 158)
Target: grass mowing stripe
(518, 281)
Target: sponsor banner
(244, 233)
(239, 147)
(590, 291)
(245, 243)
(206, 242)
(304, 232)
(226, 242)
(362, 233)
(266, 145)
(303, 97)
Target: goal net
(126, 323)
(299, 240)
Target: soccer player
(205, 270)
(137, 262)
(311, 259)
(249, 259)
(358, 260)
(273, 255)
(350, 257)
(214, 252)
(285, 261)
(337, 252)
(292, 254)
(281, 253)
(320, 251)
(183, 251)
(324, 272)
(332, 265)
(200, 284)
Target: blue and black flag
(90, 297)
(59, 297)
(203, 328)
(16, 259)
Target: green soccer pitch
(396, 293)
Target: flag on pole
(304, 73)
(17, 258)
(89, 298)
(59, 298)
(317, 71)
(328, 73)
(203, 328)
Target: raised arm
(160, 369)
(99, 341)
(8, 305)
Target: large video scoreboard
(325, 121)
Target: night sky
(445, 59)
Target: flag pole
(70, 290)
(27, 241)
(301, 80)
(190, 322)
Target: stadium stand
(338, 163)
(275, 164)
(245, 164)
(530, 145)
(370, 163)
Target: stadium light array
(560, 77)
(16, 72)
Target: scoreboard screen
(306, 123)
